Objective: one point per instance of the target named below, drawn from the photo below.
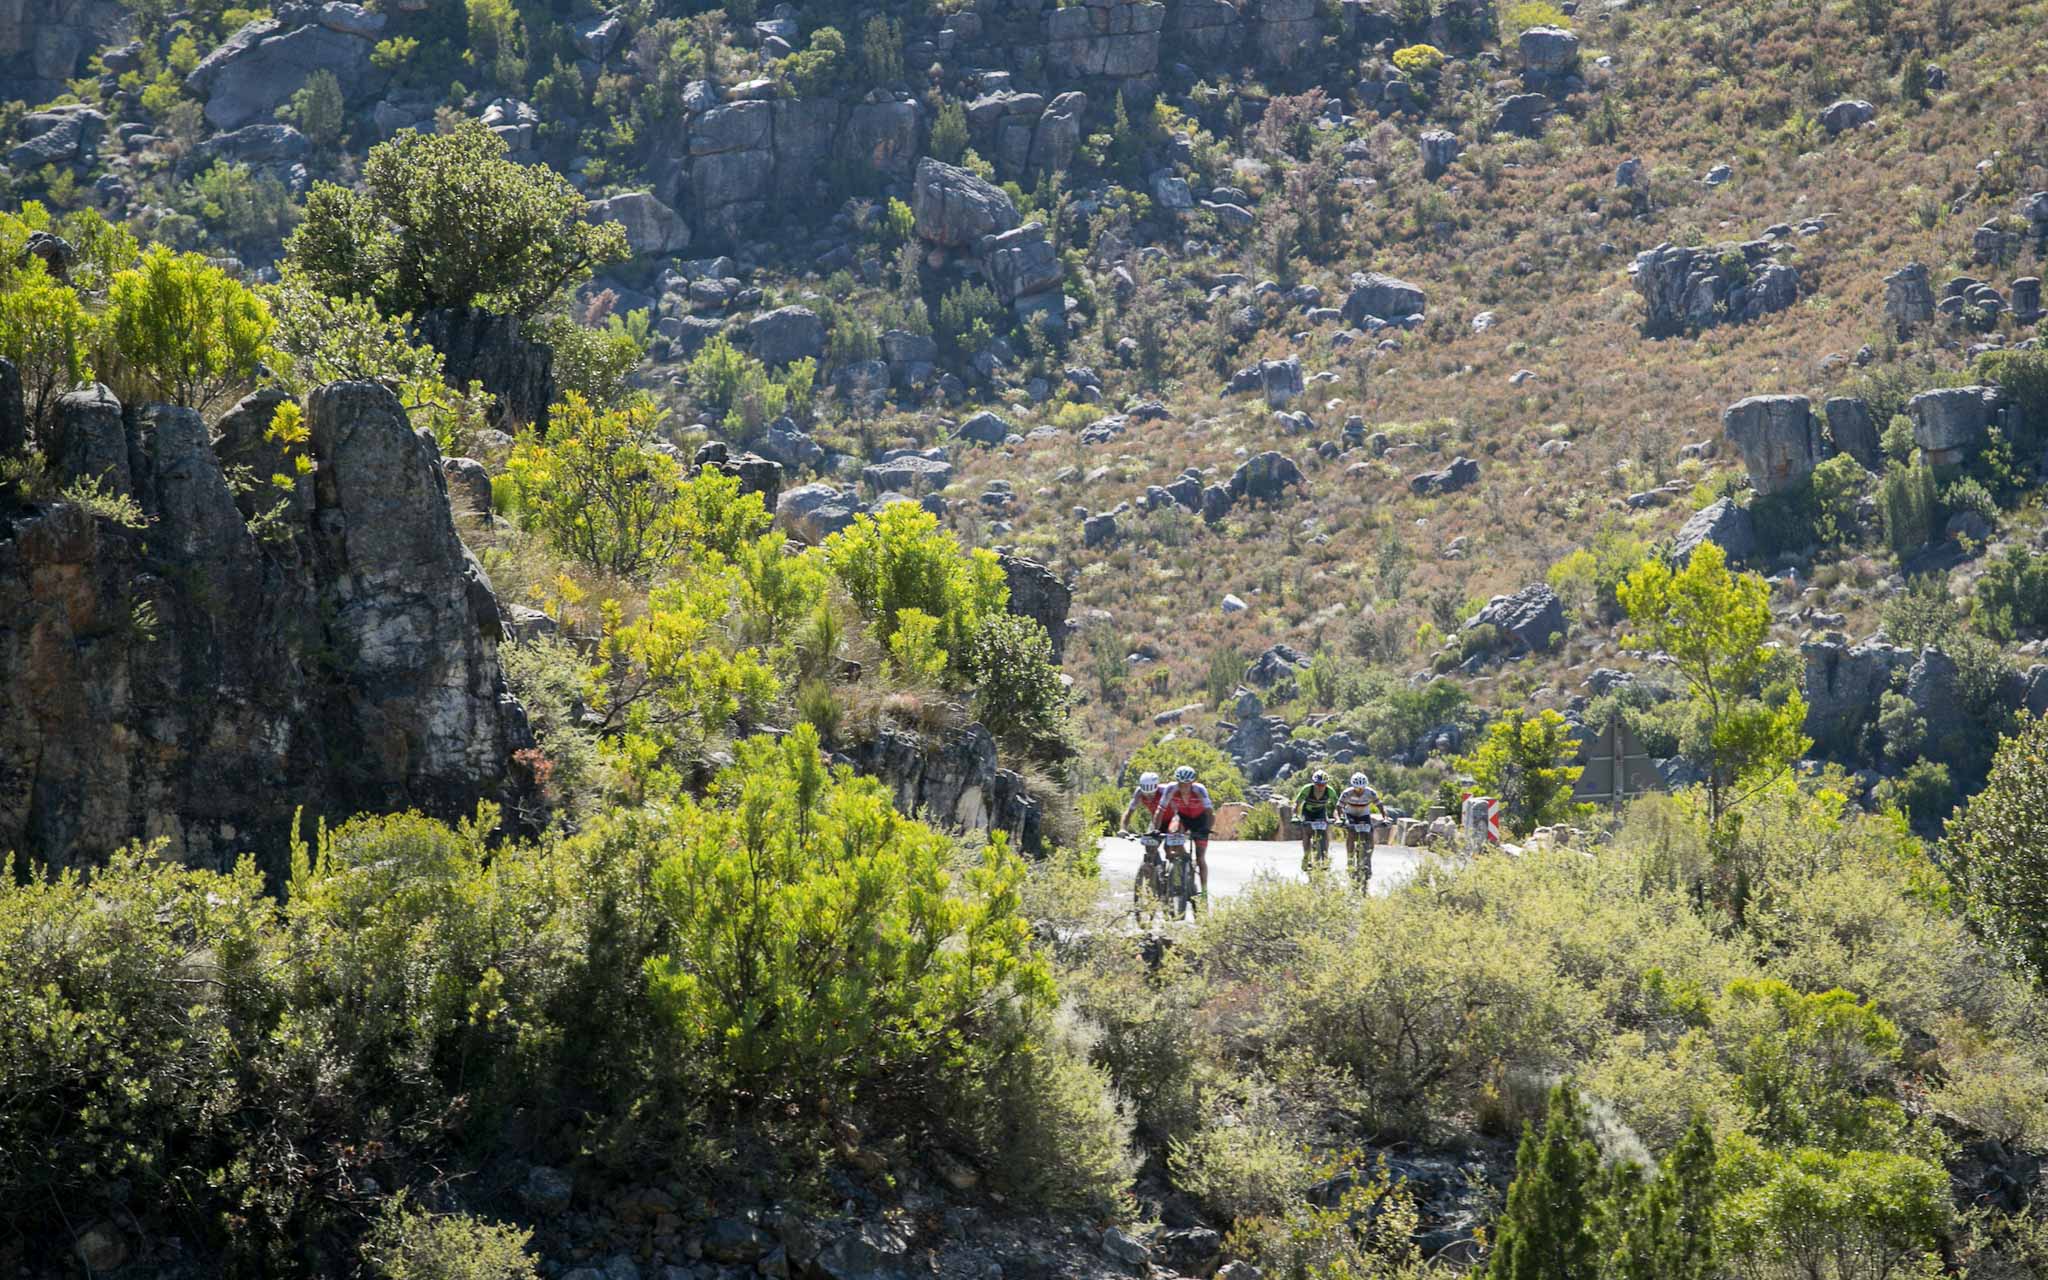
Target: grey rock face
(1283, 32)
(1853, 431)
(1523, 115)
(985, 428)
(1097, 530)
(1689, 288)
(1264, 477)
(1909, 297)
(261, 146)
(57, 136)
(956, 783)
(814, 512)
(1462, 473)
(652, 228)
(1381, 297)
(956, 209)
(1843, 685)
(1849, 113)
(1020, 263)
(1949, 422)
(1036, 592)
(359, 673)
(1722, 523)
(1779, 439)
(786, 334)
(1548, 51)
(1280, 662)
(259, 68)
(1440, 149)
(482, 347)
(469, 485)
(1531, 620)
(1106, 39)
(911, 475)
(44, 43)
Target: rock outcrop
(1689, 288)
(1264, 477)
(1531, 620)
(1779, 438)
(258, 69)
(195, 683)
(44, 43)
(955, 783)
(1036, 592)
(483, 347)
(1909, 298)
(1843, 685)
(1949, 422)
(653, 229)
(1722, 523)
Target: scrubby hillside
(576, 587)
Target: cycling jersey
(1150, 804)
(1358, 802)
(1309, 805)
(1188, 799)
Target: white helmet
(1185, 773)
(1320, 778)
(1148, 782)
(1358, 780)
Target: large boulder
(955, 209)
(911, 474)
(1722, 523)
(1530, 621)
(1279, 662)
(1381, 297)
(1843, 685)
(1264, 477)
(1548, 51)
(653, 229)
(1057, 135)
(1463, 473)
(1854, 431)
(1686, 288)
(884, 136)
(1020, 263)
(955, 783)
(1909, 297)
(786, 334)
(1779, 438)
(814, 512)
(258, 69)
(260, 146)
(1440, 149)
(484, 347)
(1523, 115)
(1849, 113)
(1036, 592)
(359, 673)
(1949, 422)
(58, 135)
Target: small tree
(190, 332)
(949, 132)
(318, 109)
(1017, 692)
(1546, 1233)
(1526, 761)
(1664, 1229)
(1994, 851)
(900, 560)
(1714, 625)
(445, 220)
(599, 492)
(45, 331)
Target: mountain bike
(1359, 836)
(1180, 873)
(1316, 856)
(1149, 890)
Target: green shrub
(1839, 484)
(1242, 1170)
(814, 71)
(241, 205)
(1525, 762)
(969, 317)
(1547, 1230)
(1418, 59)
(949, 132)
(1047, 1125)
(1992, 852)
(317, 108)
(900, 561)
(46, 332)
(411, 1244)
(1909, 504)
(1519, 17)
(2013, 594)
(445, 220)
(1017, 690)
(1857, 1215)
(1260, 822)
(803, 892)
(595, 363)
(189, 332)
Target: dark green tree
(1546, 1232)
(1663, 1229)
(1994, 851)
(445, 220)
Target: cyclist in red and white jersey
(1187, 801)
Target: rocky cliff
(202, 676)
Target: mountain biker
(1188, 801)
(1148, 797)
(1358, 802)
(1313, 803)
